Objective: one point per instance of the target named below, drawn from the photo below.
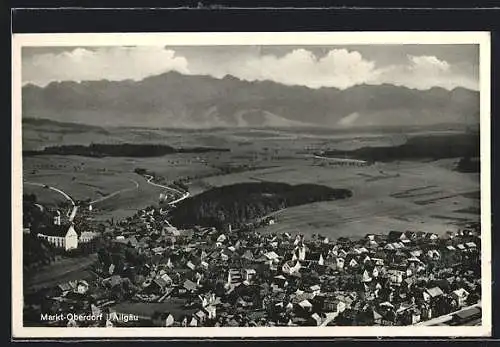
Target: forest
(243, 202)
(469, 165)
(120, 150)
(416, 148)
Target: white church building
(61, 236)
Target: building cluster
(152, 274)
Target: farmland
(418, 194)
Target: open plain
(426, 195)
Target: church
(61, 236)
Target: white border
(205, 39)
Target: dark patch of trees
(140, 171)
(238, 203)
(180, 185)
(33, 217)
(420, 147)
(119, 150)
(36, 252)
(469, 165)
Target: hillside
(176, 100)
(244, 202)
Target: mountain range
(193, 101)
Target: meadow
(400, 195)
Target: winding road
(72, 213)
(74, 209)
(183, 195)
(101, 199)
(52, 188)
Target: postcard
(307, 184)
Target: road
(445, 319)
(101, 199)
(52, 188)
(75, 207)
(329, 318)
(72, 214)
(341, 160)
(183, 195)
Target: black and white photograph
(251, 184)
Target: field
(401, 195)
(380, 201)
(64, 270)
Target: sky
(412, 66)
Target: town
(150, 273)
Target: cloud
(424, 72)
(113, 63)
(340, 68)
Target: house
(64, 287)
(460, 296)
(396, 236)
(415, 315)
(389, 247)
(315, 289)
(370, 237)
(249, 275)
(377, 318)
(61, 236)
(378, 261)
(411, 235)
(321, 260)
(299, 252)
(82, 287)
(222, 238)
(395, 276)
(431, 237)
(193, 322)
(248, 255)
(189, 285)
(339, 261)
(433, 254)
(211, 312)
(200, 316)
(471, 245)
(306, 305)
(161, 283)
(233, 278)
(331, 304)
(353, 263)
(171, 230)
(190, 265)
(271, 256)
(169, 320)
(88, 236)
(158, 250)
(430, 294)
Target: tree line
(119, 150)
(419, 147)
(239, 203)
